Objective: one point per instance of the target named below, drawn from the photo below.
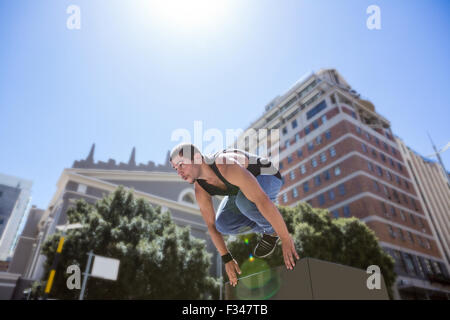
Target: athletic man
(250, 184)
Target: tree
(346, 241)
(158, 260)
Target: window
(294, 124)
(318, 140)
(317, 181)
(323, 157)
(410, 236)
(377, 141)
(286, 144)
(393, 151)
(379, 171)
(397, 179)
(413, 220)
(297, 137)
(305, 187)
(292, 175)
(383, 158)
(307, 130)
(414, 204)
(294, 193)
(385, 146)
(289, 159)
(370, 166)
(405, 198)
(341, 189)
(364, 147)
(353, 114)
(328, 134)
(189, 198)
(326, 175)
(374, 153)
(383, 208)
(315, 124)
(335, 214)
(324, 118)
(299, 153)
(331, 195)
(399, 167)
(284, 131)
(314, 162)
(302, 169)
(428, 266)
(409, 264)
(311, 113)
(391, 231)
(346, 211)
(332, 152)
(402, 215)
(285, 198)
(391, 162)
(393, 212)
(358, 130)
(377, 187)
(321, 199)
(389, 175)
(82, 188)
(406, 184)
(281, 165)
(310, 146)
(400, 233)
(367, 135)
(337, 171)
(437, 268)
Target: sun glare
(188, 14)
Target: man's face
(187, 170)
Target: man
(248, 205)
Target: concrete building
(430, 179)
(159, 184)
(336, 152)
(15, 195)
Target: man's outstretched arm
(239, 176)
(207, 209)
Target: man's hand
(231, 268)
(289, 252)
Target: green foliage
(346, 241)
(158, 260)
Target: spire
(132, 161)
(90, 157)
(167, 163)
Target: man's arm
(207, 209)
(236, 174)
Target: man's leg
(271, 186)
(229, 220)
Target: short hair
(186, 150)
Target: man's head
(186, 159)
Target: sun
(188, 14)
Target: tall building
(431, 181)
(336, 152)
(91, 181)
(15, 195)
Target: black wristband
(227, 258)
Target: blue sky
(134, 73)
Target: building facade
(431, 181)
(336, 152)
(15, 195)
